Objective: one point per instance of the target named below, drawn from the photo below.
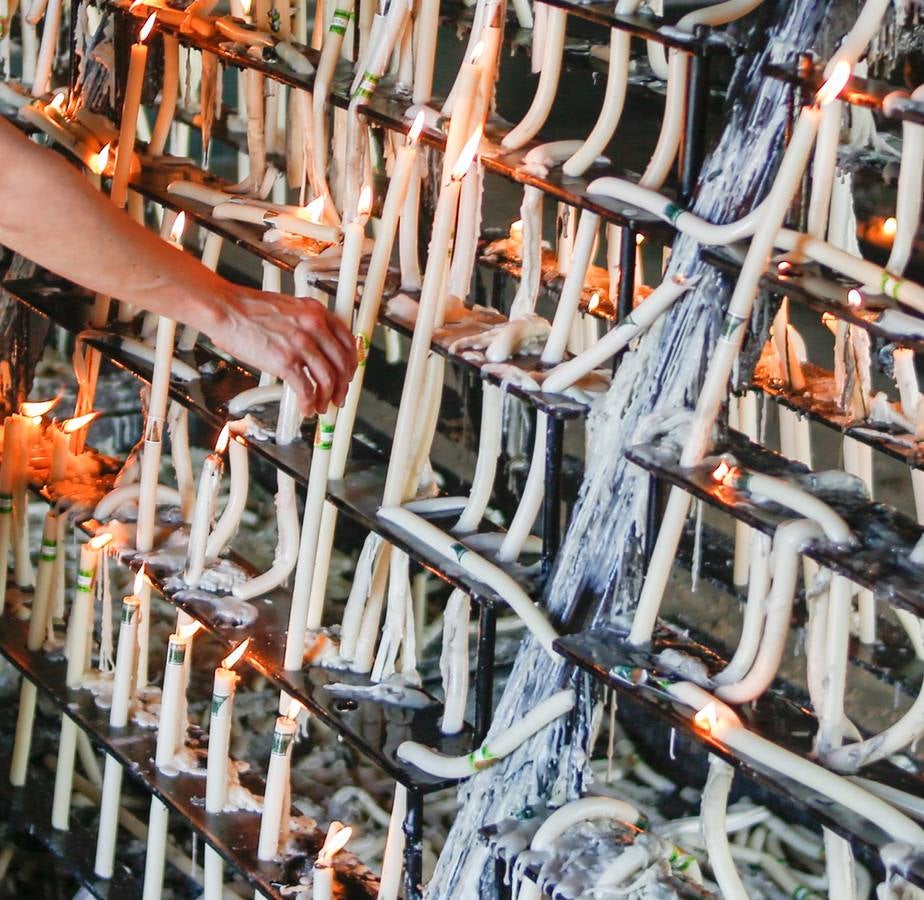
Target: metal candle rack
(603, 656)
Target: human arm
(52, 215)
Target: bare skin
(51, 215)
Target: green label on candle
(340, 20)
(275, 20)
(672, 212)
(49, 550)
(324, 436)
(482, 758)
(84, 580)
(218, 701)
(890, 285)
(362, 349)
(730, 326)
(366, 85)
(176, 654)
(459, 550)
(282, 740)
(6, 504)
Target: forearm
(51, 215)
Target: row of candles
(803, 136)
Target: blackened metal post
(652, 515)
(625, 293)
(413, 846)
(484, 669)
(694, 130)
(551, 504)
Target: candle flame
(57, 103)
(721, 471)
(98, 161)
(639, 240)
(223, 437)
(38, 408)
(707, 718)
(516, 229)
(594, 301)
(295, 707)
(467, 155)
(890, 226)
(147, 28)
(836, 82)
(413, 134)
(364, 206)
(337, 838)
(476, 53)
(314, 210)
(187, 631)
(854, 297)
(245, 6)
(233, 658)
(179, 226)
(100, 541)
(829, 320)
(135, 5)
(72, 425)
(139, 581)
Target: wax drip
(103, 594)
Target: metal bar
(551, 503)
(413, 847)
(484, 670)
(694, 131)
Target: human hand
(296, 339)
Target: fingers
(320, 370)
(299, 379)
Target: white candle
(209, 483)
(63, 441)
(122, 689)
(134, 85)
(275, 819)
(172, 696)
(226, 527)
(427, 25)
(454, 661)
(224, 686)
(337, 837)
(14, 430)
(715, 385)
(300, 615)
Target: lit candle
(275, 819)
(169, 728)
(62, 444)
(14, 430)
(79, 627)
(130, 106)
(216, 785)
(714, 389)
(337, 837)
(122, 689)
(209, 483)
(300, 615)
(227, 525)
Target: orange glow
(335, 841)
(188, 631)
(139, 582)
(467, 155)
(414, 134)
(233, 658)
(179, 226)
(98, 161)
(364, 206)
(37, 408)
(295, 707)
(314, 210)
(707, 718)
(222, 443)
(837, 81)
(147, 28)
(100, 541)
(72, 425)
(721, 471)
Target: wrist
(213, 308)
